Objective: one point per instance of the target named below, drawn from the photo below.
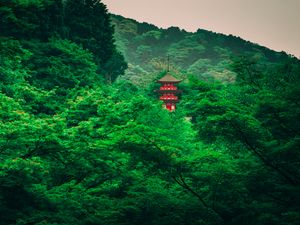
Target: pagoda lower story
(171, 106)
(169, 100)
(168, 92)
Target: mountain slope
(205, 54)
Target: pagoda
(168, 91)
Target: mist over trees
(83, 141)
(204, 54)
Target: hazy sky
(271, 23)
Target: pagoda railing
(168, 88)
(168, 98)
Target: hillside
(205, 54)
(79, 146)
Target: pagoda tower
(168, 91)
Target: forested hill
(205, 54)
(78, 146)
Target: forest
(204, 54)
(84, 139)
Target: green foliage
(255, 121)
(27, 18)
(77, 151)
(204, 54)
(85, 23)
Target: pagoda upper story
(168, 91)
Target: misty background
(271, 23)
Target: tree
(87, 22)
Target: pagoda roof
(169, 78)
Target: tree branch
(262, 157)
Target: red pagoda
(168, 91)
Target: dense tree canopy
(80, 147)
(203, 54)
